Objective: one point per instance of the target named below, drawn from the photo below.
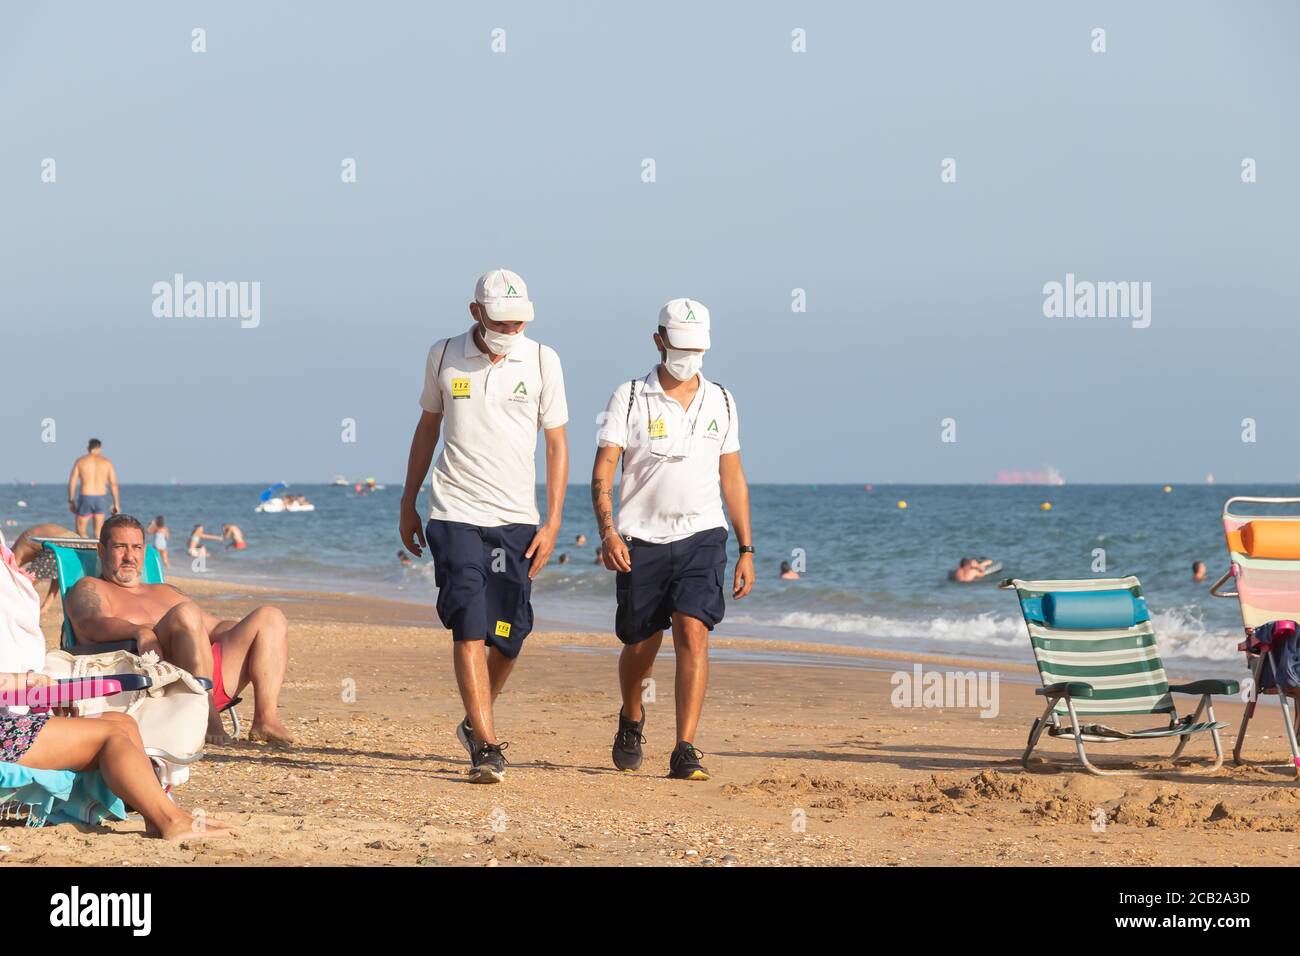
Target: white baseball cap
(686, 323)
(504, 296)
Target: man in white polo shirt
(487, 391)
(679, 436)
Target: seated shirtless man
(117, 606)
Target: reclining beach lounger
(1264, 551)
(77, 558)
(1097, 657)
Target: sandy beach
(793, 734)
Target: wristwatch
(746, 549)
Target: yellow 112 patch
(460, 388)
(658, 428)
(503, 628)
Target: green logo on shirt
(520, 389)
(713, 425)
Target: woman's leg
(112, 744)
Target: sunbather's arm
(94, 623)
(423, 443)
(72, 489)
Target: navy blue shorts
(93, 505)
(683, 576)
(482, 577)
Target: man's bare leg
(475, 683)
(635, 665)
(256, 651)
(691, 645)
(83, 526)
(183, 640)
(99, 523)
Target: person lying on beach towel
(117, 606)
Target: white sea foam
(994, 630)
(1180, 631)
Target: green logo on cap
(520, 390)
(511, 291)
(690, 316)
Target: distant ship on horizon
(1047, 476)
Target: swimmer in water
(196, 548)
(233, 536)
(788, 573)
(971, 569)
(403, 559)
(158, 528)
(1198, 570)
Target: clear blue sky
(775, 170)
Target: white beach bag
(172, 713)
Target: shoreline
(758, 650)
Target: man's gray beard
(121, 577)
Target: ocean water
(876, 575)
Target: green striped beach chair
(1097, 657)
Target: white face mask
(498, 343)
(683, 365)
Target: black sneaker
(487, 765)
(685, 764)
(465, 734)
(627, 743)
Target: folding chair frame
(1255, 660)
(1049, 719)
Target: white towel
(22, 645)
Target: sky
(774, 171)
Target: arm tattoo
(602, 502)
(84, 603)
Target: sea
(874, 574)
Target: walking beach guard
(487, 391)
(679, 436)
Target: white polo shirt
(661, 499)
(486, 473)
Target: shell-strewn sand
(382, 780)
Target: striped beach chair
(1097, 657)
(1264, 551)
